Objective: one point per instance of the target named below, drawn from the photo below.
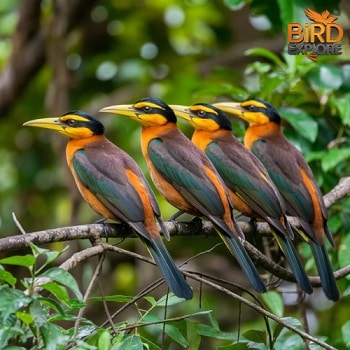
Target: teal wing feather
(281, 165)
(243, 175)
(182, 168)
(172, 275)
(324, 268)
(294, 262)
(105, 177)
(236, 248)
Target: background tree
(56, 56)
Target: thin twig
(18, 224)
(262, 311)
(87, 294)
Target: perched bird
(185, 176)
(252, 191)
(113, 185)
(293, 178)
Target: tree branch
(101, 248)
(193, 228)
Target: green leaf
(325, 78)
(256, 336)
(311, 156)
(302, 122)
(20, 260)
(243, 345)
(53, 337)
(342, 104)
(234, 5)
(345, 330)
(8, 334)
(149, 345)
(7, 277)
(25, 317)
(63, 277)
(193, 337)
(333, 157)
(52, 256)
(39, 313)
(169, 300)
(207, 331)
(59, 291)
(52, 304)
(132, 342)
(11, 301)
(274, 302)
(265, 53)
(37, 250)
(175, 334)
(343, 253)
(104, 340)
(279, 328)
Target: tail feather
(324, 268)
(171, 273)
(237, 250)
(294, 262)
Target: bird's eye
(71, 122)
(146, 109)
(201, 113)
(251, 108)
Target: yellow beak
(234, 108)
(124, 110)
(46, 123)
(183, 112)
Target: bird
(114, 186)
(292, 176)
(185, 176)
(251, 189)
(324, 17)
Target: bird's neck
(264, 131)
(152, 132)
(74, 145)
(201, 138)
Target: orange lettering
(337, 29)
(295, 33)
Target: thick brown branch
(97, 231)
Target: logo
(322, 37)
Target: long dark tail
(324, 268)
(294, 262)
(237, 250)
(171, 273)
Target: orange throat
(260, 131)
(202, 138)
